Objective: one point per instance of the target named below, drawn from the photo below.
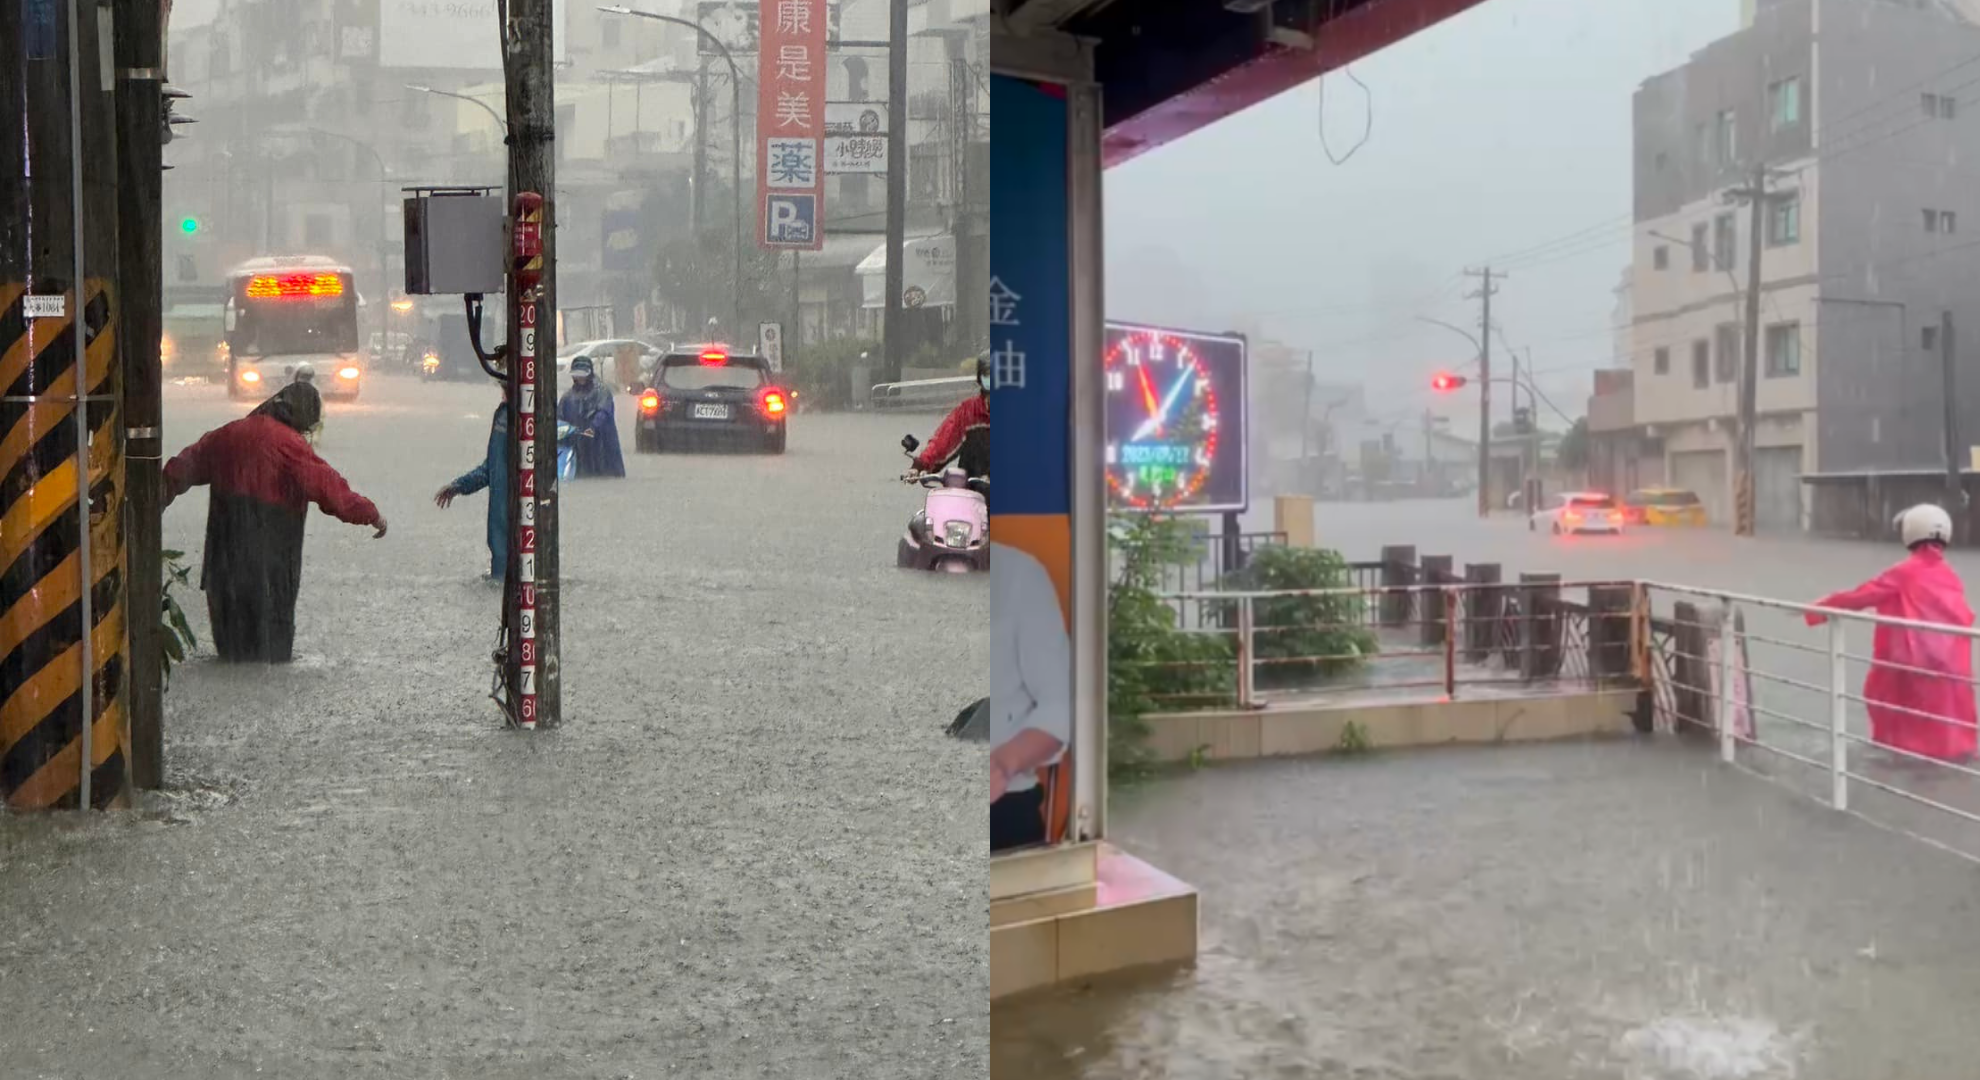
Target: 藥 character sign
(790, 124)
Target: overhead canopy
(928, 276)
(1168, 68)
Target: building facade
(1859, 240)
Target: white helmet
(1924, 522)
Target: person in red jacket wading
(264, 476)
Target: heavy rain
(1539, 441)
(483, 733)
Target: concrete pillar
(1398, 569)
(1540, 619)
(1484, 609)
(1436, 571)
(1292, 516)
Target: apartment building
(1860, 113)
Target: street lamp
(735, 135)
(484, 106)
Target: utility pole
(1955, 490)
(141, 132)
(893, 328)
(1486, 289)
(696, 203)
(532, 662)
(1428, 479)
(1756, 196)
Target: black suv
(706, 396)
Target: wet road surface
(1594, 911)
(749, 853)
(1626, 910)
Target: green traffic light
(189, 226)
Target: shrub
(822, 373)
(1329, 626)
(1143, 638)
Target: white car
(1579, 512)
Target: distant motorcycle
(951, 532)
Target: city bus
(287, 311)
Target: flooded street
(743, 854)
(1598, 911)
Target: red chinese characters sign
(790, 125)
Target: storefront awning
(928, 278)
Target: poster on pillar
(1030, 309)
(790, 125)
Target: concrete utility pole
(141, 125)
(61, 427)
(1756, 196)
(1484, 295)
(893, 328)
(1955, 490)
(532, 111)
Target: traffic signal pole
(1484, 295)
(531, 664)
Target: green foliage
(1573, 451)
(1143, 639)
(175, 634)
(1322, 626)
(1353, 740)
(822, 373)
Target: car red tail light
(649, 401)
(773, 402)
(714, 356)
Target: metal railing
(1443, 636)
(1787, 700)
(922, 395)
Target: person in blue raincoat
(493, 476)
(588, 409)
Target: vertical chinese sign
(790, 125)
(1031, 575)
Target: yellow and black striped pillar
(44, 549)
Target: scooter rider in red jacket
(972, 415)
(264, 477)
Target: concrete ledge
(1138, 916)
(1292, 730)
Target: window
(1941, 221)
(1702, 134)
(316, 230)
(1701, 364)
(1725, 237)
(1726, 369)
(1784, 222)
(1785, 97)
(1783, 350)
(1661, 258)
(1725, 144)
(1662, 361)
(1939, 106)
(1928, 338)
(1662, 160)
(1700, 253)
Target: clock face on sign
(1162, 422)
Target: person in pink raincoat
(1931, 715)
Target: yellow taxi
(1664, 506)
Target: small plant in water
(1200, 756)
(1354, 739)
(175, 633)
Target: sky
(1496, 131)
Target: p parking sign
(790, 220)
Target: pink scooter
(951, 532)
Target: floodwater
(1616, 910)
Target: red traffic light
(1444, 382)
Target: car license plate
(711, 412)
